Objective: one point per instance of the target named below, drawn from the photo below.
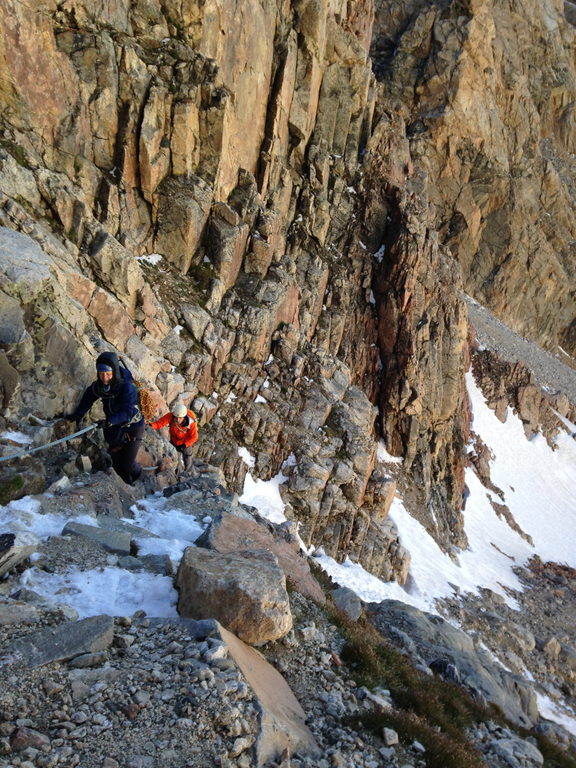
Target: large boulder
(230, 532)
(245, 592)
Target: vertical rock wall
(222, 193)
(422, 333)
(487, 94)
(226, 139)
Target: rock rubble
(139, 691)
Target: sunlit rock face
(486, 91)
(277, 229)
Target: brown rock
(245, 592)
(23, 737)
(231, 534)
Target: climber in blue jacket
(124, 425)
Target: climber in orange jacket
(183, 430)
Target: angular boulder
(244, 591)
(230, 532)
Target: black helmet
(108, 361)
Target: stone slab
(62, 642)
(113, 541)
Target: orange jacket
(187, 434)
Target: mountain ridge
(278, 222)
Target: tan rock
(80, 288)
(245, 592)
(551, 648)
(496, 142)
(282, 726)
(153, 154)
(228, 244)
(232, 534)
(185, 144)
(118, 271)
(244, 33)
(183, 208)
(16, 547)
(110, 315)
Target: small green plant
(10, 489)
(429, 709)
(16, 150)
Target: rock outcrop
(258, 288)
(486, 93)
(263, 230)
(438, 644)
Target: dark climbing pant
(124, 448)
(186, 451)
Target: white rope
(28, 451)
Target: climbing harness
(28, 451)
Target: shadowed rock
(435, 641)
(61, 643)
(348, 601)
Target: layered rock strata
(486, 91)
(242, 180)
(261, 231)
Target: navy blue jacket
(119, 400)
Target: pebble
(390, 737)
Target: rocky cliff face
(487, 94)
(226, 195)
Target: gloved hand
(101, 423)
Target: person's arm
(163, 421)
(87, 400)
